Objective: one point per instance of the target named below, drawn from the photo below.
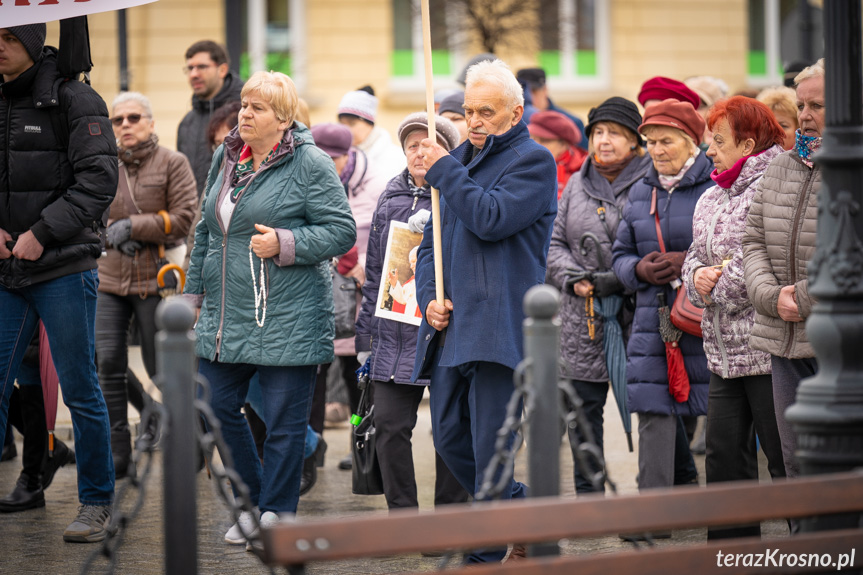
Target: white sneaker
(268, 519)
(235, 536)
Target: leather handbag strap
(655, 212)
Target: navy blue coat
(646, 366)
(497, 212)
(393, 343)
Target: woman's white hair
(136, 97)
(496, 73)
(816, 70)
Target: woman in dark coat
(679, 175)
(592, 203)
(389, 344)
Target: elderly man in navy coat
(498, 203)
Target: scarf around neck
(134, 156)
(805, 146)
(245, 169)
(669, 183)
(611, 170)
(727, 178)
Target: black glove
(573, 276)
(653, 270)
(129, 247)
(606, 283)
(119, 232)
(676, 259)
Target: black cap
(452, 103)
(32, 37)
(533, 77)
(618, 110)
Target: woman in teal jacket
(275, 212)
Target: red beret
(675, 114)
(554, 126)
(661, 88)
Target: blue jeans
(287, 393)
(468, 406)
(67, 307)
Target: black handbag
(344, 303)
(366, 471)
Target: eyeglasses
(196, 68)
(133, 119)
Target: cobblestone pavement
(32, 540)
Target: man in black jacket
(213, 86)
(58, 175)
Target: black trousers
(396, 408)
(113, 316)
(737, 409)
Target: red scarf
(568, 163)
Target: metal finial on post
(175, 364)
(542, 351)
(828, 415)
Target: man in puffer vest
(58, 175)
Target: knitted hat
(452, 103)
(680, 115)
(32, 37)
(532, 77)
(708, 88)
(660, 88)
(618, 110)
(552, 125)
(334, 139)
(447, 133)
(359, 103)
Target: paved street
(32, 541)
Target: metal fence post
(175, 364)
(828, 415)
(542, 349)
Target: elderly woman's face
(668, 148)
(131, 124)
(415, 161)
(810, 106)
(723, 150)
(611, 142)
(258, 124)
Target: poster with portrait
(397, 296)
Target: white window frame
(257, 35)
(568, 81)
(772, 51)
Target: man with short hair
(536, 99)
(58, 176)
(213, 85)
(498, 203)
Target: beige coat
(162, 181)
(779, 242)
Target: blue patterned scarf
(805, 146)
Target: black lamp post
(828, 415)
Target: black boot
(114, 390)
(34, 429)
(26, 495)
(310, 468)
(62, 456)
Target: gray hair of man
(496, 73)
(816, 70)
(136, 97)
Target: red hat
(554, 126)
(661, 88)
(675, 114)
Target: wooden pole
(435, 194)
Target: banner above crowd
(19, 12)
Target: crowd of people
(691, 194)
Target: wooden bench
(538, 520)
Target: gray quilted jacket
(717, 231)
(585, 193)
(779, 242)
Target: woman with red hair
(746, 138)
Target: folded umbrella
(678, 380)
(615, 357)
(50, 385)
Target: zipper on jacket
(721, 344)
(792, 260)
(8, 183)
